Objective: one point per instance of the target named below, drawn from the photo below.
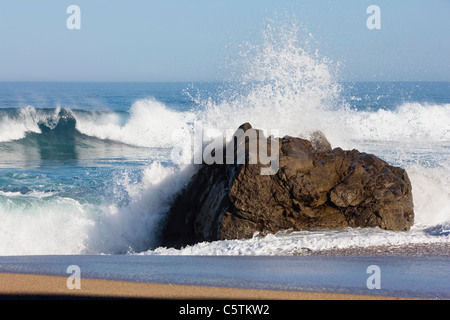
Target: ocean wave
(15, 123)
(35, 224)
(39, 222)
(150, 123)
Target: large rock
(314, 187)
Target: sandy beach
(225, 277)
(42, 286)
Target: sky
(175, 40)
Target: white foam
(15, 128)
(31, 194)
(409, 122)
(431, 194)
(43, 226)
(137, 225)
(305, 242)
(150, 124)
(37, 223)
(281, 85)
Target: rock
(314, 187)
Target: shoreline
(30, 286)
(224, 277)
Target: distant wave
(147, 124)
(150, 123)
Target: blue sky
(175, 40)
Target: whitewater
(81, 178)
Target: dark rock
(314, 187)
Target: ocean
(88, 171)
(88, 168)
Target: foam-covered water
(307, 242)
(93, 173)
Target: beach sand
(43, 286)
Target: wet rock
(315, 186)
